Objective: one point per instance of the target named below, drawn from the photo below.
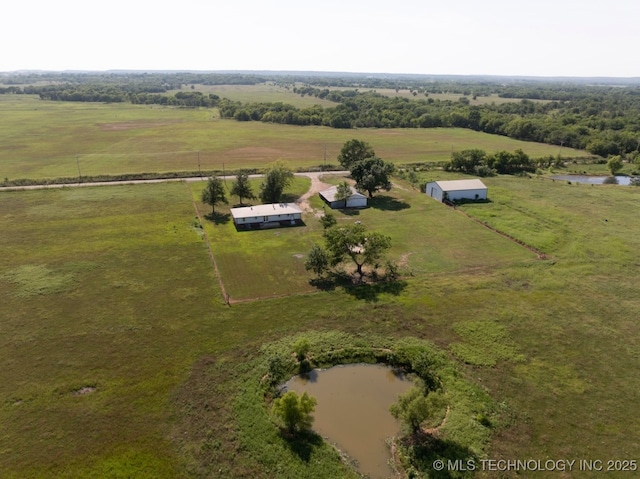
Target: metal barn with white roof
(455, 190)
(267, 216)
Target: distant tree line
(603, 119)
(589, 123)
(479, 162)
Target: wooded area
(602, 117)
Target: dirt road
(314, 176)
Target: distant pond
(595, 180)
(353, 411)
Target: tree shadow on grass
(370, 292)
(218, 218)
(288, 198)
(426, 449)
(301, 443)
(323, 283)
(388, 203)
(349, 211)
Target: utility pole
(79, 174)
(199, 170)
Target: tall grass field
(121, 357)
(45, 140)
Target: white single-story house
(356, 200)
(267, 216)
(457, 190)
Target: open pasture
(260, 93)
(102, 294)
(405, 93)
(42, 139)
(120, 358)
(575, 317)
(544, 213)
(270, 92)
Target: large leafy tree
(317, 260)
(353, 151)
(278, 177)
(343, 192)
(467, 160)
(295, 412)
(372, 174)
(214, 193)
(328, 220)
(355, 243)
(615, 164)
(241, 187)
(412, 409)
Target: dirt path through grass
(317, 185)
(190, 179)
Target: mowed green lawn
(121, 360)
(426, 236)
(259, 264)
(42, 139)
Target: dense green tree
(466, 161)
(426, 366)
(328, 220)
(317, 260)
(412, 408)
(214, 193)
(477, 162)
(615, 164)
(241, 187)
(343, 192)
(372, 174)
(508, 163)
(301, 348)
(295, 412)
(278, 177)
(353, 151)
(355, 243)
(279, 369)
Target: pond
(595, 180)
(353, 411)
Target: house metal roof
(265, 210)
(460, 185)
(330, 193)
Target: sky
(465, 37)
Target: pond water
(353, 411)
(595, 180)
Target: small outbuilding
(456, 190)
(356, 200)
(272, 215)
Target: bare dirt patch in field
(133, 125)
(404, 259)
(84, 390)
